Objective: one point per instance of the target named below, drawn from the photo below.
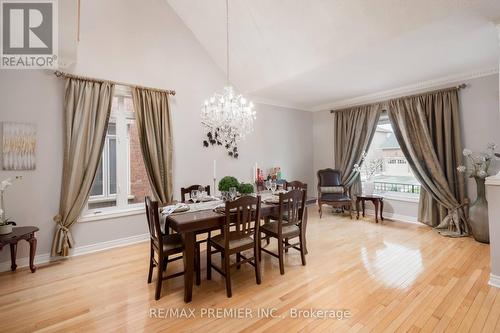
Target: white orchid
(461, 168)
(479, 164)
(482, 174)
(467, 152)
(4, 184)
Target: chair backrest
(187, 190)
(153, 218)
(291, 206)
(240, 214)
(295, 185)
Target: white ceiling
(316, 53)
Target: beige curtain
(155, 135)
(354, 130)
(87, 106)
(427, 128)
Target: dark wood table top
(17, 233)
(206, 219)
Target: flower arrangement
(479, 164)
(246, 188)
(369, 167)
(4, 221)
(227, 182)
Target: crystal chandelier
(228, 117)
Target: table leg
(381, 209)
(375, 203)
(305, 229)
(363, 205)
(32, 242)
(357, 209)
(189, 245)
(13, 251)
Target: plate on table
(177, 208)
(274, 199)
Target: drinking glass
(195, 195)
(232, 193)
(273, 187)
(203, 193)
(268, 184)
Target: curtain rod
(68, 75)
(460, 86)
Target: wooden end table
(377, 200)
(18, 233)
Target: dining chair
(187, 190)
(241, 233)
(163, 245)
(289, 225)
(332, 191)
(184, 191)
(295, 185)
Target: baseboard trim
(78, 251)
(494, 281)
(396, 217)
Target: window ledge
(404, 198)
(115, 213)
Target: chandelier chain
(227, 41)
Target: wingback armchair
(332, 192)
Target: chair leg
(151, 264)
(302, 248)
(320, 210)
(209, 261)
(164, 265)
(159, 279)
(238, 259)
(256, 259)
(281, 255)
(227, 271)
(286, 243)
(197, 258)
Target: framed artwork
(18, 146)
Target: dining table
(203, 218)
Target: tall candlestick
(215, 169)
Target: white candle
(255, 172)
(215, 169)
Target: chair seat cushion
(335, 197)
(287, 229)
(234, 243)
(172, 242)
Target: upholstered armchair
(332, 192)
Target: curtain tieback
(67, 241)
(58, 219)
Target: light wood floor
(391, 277)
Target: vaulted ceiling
(312, 54)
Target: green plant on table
(246, 188)
(227, 182)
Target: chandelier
(228, 117)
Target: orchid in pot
(5, 223)
(478, 167)
(368, 168)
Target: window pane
(112, 166)
(97, 187)
(112, 128)
(139, 183)
(386, 166)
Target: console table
(18, 233)
(377, 200)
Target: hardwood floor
(390, 277)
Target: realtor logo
(29, 34)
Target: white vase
(368, 187)
(5, 229)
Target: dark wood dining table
(188, 224)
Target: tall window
(121, 180)
(386, 165)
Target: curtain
(354, 131)
(87, 106)
(427, 128)
(155, 136)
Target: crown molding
(273, 102)
(406, 90)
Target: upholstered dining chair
(289, 225)
(162, 245)
(187, 190)
(241, 233)
(184, 191)
(332, 192)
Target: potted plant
(5, 223)
(227, 183)
(246, 188)
(478, 168)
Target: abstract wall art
(18, 146)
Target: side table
(18, 233)
(377, 200)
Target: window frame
(122, 119)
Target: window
(121, 180)
(388, 167)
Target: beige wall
(480, 122)
(117, 43)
